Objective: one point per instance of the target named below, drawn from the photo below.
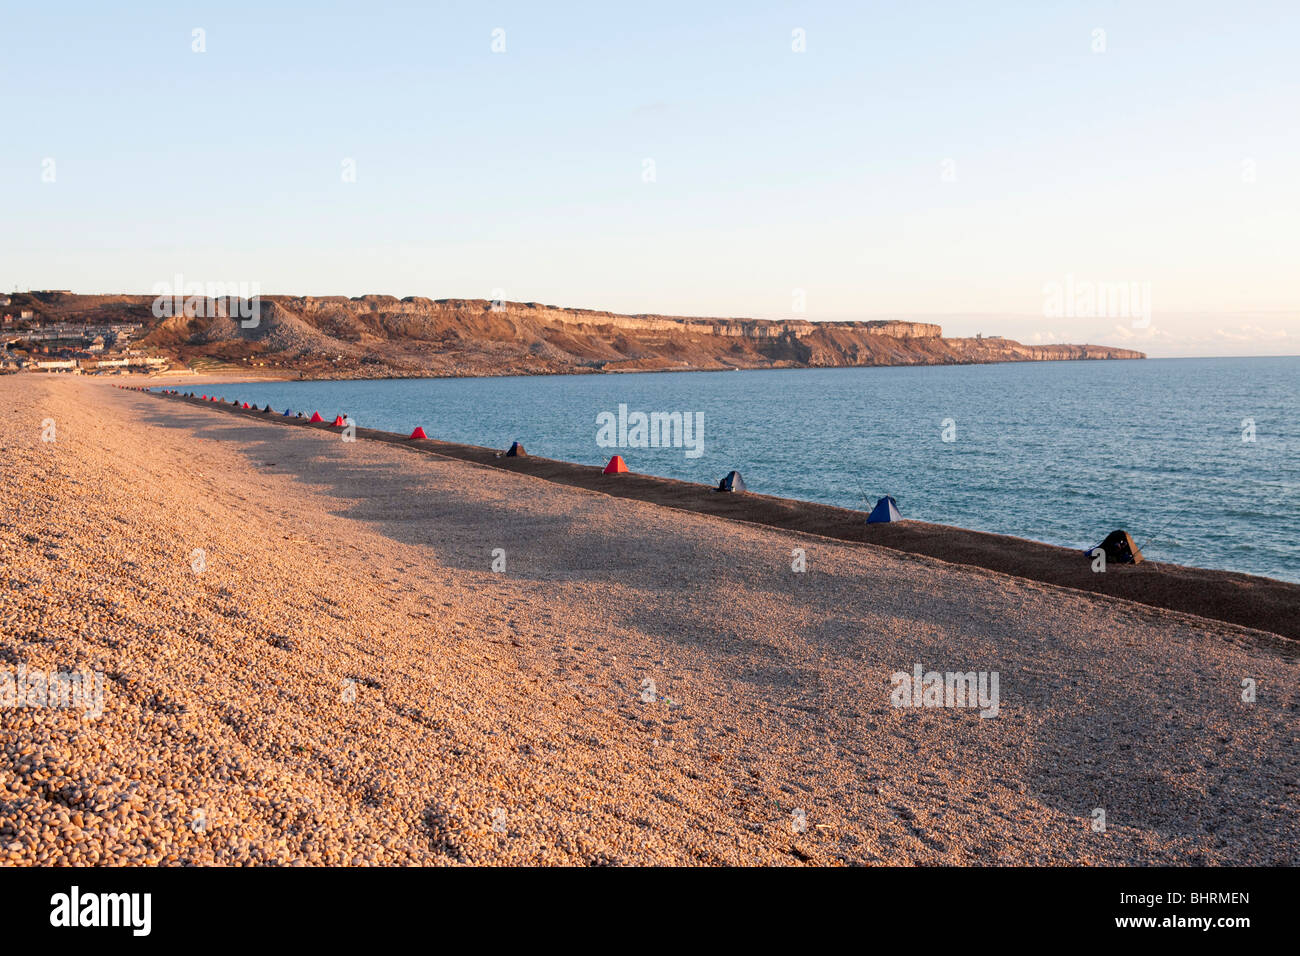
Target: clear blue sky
(1171, 159)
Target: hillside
(380, 336)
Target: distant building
(116, 335)
(146, 361)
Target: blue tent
(288, 411)
(886, 509)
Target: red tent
(315, 417)
(418, 433)
(616, 465)
(338, 421)
(245, 404)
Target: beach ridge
(1247, 600)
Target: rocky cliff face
(378, 336)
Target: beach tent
(733, 482)
(616, 466)
(417, 434)
(516, 451)
(339, 422)
(315, 417)
(267, 410)
(288, 412)
(245, 404)
(1119, 548)
(886, 509)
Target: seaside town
(28, 344)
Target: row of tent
(1118, 546)
(886, 508)
(340, 421)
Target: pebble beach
(319, 652)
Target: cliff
(378, 336)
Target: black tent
(516, 451)
(1119, 548)
(733, 482)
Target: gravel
(307, 658)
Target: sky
(944, 161)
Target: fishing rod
(1156, 536)
(861, 490)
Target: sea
(1198, 459)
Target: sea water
(1199, 459)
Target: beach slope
(308, 657)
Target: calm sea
(1199, 459)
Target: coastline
(344, 678)
(336, 337)
(234, 377)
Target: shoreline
(243, 377)
(1252, 601)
